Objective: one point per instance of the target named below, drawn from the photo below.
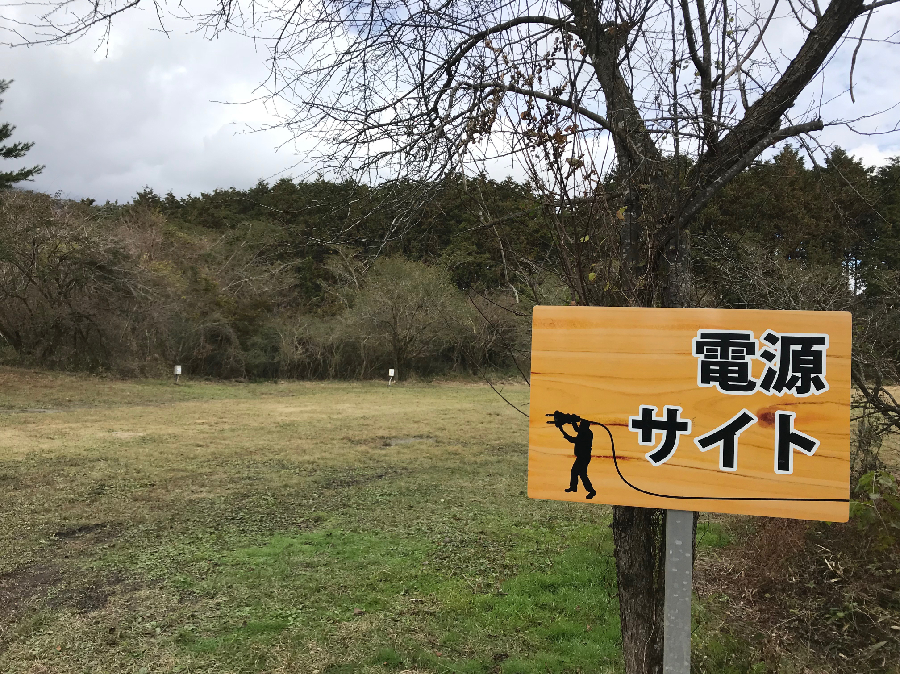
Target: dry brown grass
(215, 526)
(237, 527)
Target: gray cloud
(104, 126)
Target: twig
(856, 51)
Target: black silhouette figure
(583, 443)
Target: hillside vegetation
(324, 280)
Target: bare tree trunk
(639, 537)
(630, 246)
(639, 533)
(677, 289)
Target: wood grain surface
(602, 364)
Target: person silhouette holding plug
(583, 440)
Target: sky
(105, 124)
(149, 110)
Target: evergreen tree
(13, 151)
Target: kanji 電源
(793, 363)
(725, 360)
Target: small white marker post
(390, 376)
(177, 373)
(679, 563)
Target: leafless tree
(408, 307)
(675, 98)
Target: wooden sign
(733, 411)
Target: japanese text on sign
(794, 363)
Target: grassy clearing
(347, 527)
(301, 527)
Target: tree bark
(677, 288)
(640, 551)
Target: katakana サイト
(671, 426)
(786, 439)
(726, 435)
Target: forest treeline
(308, 280)
(320, 279)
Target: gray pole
(679, 553)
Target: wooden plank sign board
(732, 411)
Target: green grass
(712, 534)
(288, 527)
(300, 527)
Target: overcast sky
(105, 123)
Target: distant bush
(69, 288)
(127, 290)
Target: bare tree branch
(855, 52)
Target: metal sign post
(679, 554)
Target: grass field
(323, 527)
(301, 527)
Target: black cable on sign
(657, 494)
